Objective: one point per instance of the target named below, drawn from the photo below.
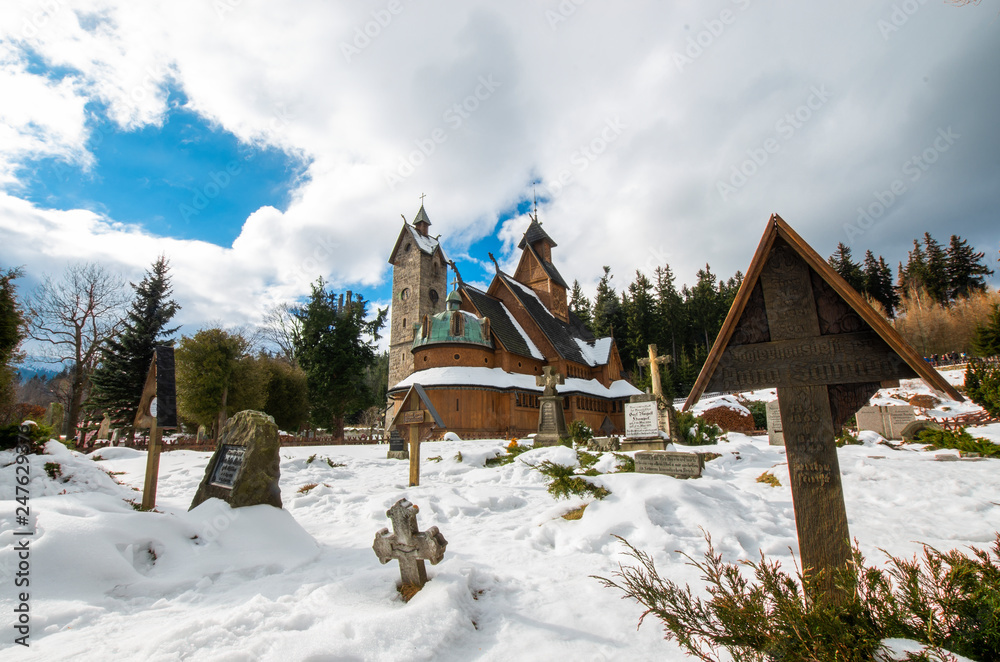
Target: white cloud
(471, 101)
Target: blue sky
(260, 145)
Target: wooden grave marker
(157, 411)
(798, 326)
(418, 414)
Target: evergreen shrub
(946, 601)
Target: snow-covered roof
(426, 244)
(499, 378)
(596, 352)
(535, 352)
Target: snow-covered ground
(110, 583)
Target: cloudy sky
(260, 144)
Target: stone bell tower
(419, 286)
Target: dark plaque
(229, 464)
(166, 394)
(396, 441)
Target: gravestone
(104, 431)
(397, 447)
(669, 463)
(642, 424)
(245, 467)
(797, 326)
(551, 417)
(888, 421)
(667, 417)
(913, 430)
(775, 435)
(409, 546)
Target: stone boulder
(244, 469)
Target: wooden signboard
(157, 411)
(798, 326)
(418, 414)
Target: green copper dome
(452, 326)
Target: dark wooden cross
(549, 379)
(796, 325)
(408, 545)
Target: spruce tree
(986, 338)
(12, 332)
(670, 320)
(608, 315)
(913, 276)
(579, 305)
(119, 378)
(878, 283)
(843, 263)
(639, 319)
(335, 347)
(965, 269)
(936, 275)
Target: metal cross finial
(422, 196)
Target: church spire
(420, 221)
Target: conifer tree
(335, 347)
(607, 308)
(118, 381)
(12, 332)
(936, 275)
(579, 305)
(670, 319)
(639, 318)
(878, 283)
(843, 263)
(986, 339)
(913, 276)
(965, 269)
(707, 307)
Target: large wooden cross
(654, 362)
(408, 545)
(798, 326)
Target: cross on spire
(422, 196)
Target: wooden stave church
(477, 353)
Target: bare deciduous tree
(74, 316)
(282, 328)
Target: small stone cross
(654, 362)
(549, 380)
(409, 546)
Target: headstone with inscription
(775, 435)
(642, 424)
(797, 326)
(397, 447)
(551, 416)
(888, 421)
(244, 469)
(669, 463)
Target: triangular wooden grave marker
(798, 326)
(417, 413)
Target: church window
(456, 404)
(458, 357)
(425, 359)
(404, 294)
(425, 327)
(518, 364)
(433, 296)
(486, 360)
(406, 247)
(457, 324)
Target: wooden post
(807, 420)
(414, 455)
(152, 467)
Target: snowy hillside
(110, 583)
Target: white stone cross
(407, 545)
